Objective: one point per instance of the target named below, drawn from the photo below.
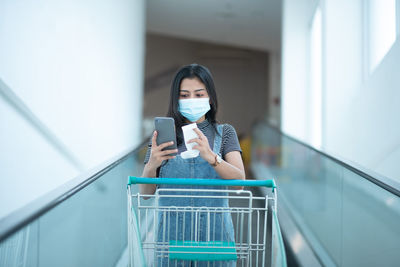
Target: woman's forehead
(192, 84)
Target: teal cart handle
(182, 181)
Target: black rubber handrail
(384, 182)
(22, 217)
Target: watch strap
(216, 162)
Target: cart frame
(244, 250)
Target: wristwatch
(217, 161)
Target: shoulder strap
(218, 139)
(220, 128)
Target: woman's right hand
(157, 156)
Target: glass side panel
(278, 256)
(88, 229)
(21, 249)
(346, 219)
(371, 217)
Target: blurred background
(81, 81)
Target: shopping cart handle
(184, 181)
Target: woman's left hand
(203, 146)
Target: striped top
(230, 140)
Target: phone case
(165, 127)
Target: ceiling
(254, 24)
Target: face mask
(194, 108)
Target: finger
(153, 139)
(200, 133)
(194, 140)
(164, 145)
(168, 157)
(167, 152)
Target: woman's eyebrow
(197, 90)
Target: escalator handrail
(386, 183)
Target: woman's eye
(183, 95)
(200, 95)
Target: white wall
(343, 66)
(360, 110)
(77, 66)
(370, 124)
(297, 15)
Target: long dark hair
(204, 75)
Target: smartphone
(165, 127)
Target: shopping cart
(190, 233)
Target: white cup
(189, 134)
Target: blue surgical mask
(194, 108)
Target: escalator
(330, 213)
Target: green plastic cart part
(211, 182)
(202, 251)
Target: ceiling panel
(253, 24)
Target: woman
(193, 99)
